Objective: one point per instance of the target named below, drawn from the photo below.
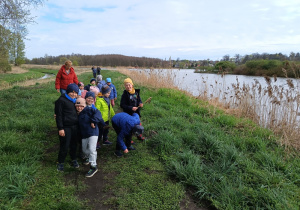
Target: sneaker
(98, 145)
(75, 164)
(118, 153)
(131, 148)
(91, 172)
(60, 167)
(132, 142)
(107, 143)
(86, 161)
(140, 137)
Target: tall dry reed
(273, 106)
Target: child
(104, 106)
(113, 93)
(67, 124)
(95, 90)
(82, 91)
(125, 125)
(92, 83)
(131, 101)
(100, 82)
(88, 119)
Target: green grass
(229, 162)
(10, 79)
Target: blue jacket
(125, 122)
(87, 116)
(113, 92)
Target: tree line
(101, 60)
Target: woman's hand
(61, 133)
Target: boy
(92, 83)
(104, 106)
(89, 118)
(67, 124)
(131, 101)
(113, 93)
(125, 125)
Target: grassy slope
(228, 161)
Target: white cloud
(189, 29)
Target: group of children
(83, 113)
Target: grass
(227, 161)
(34, 73)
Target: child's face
(73, 94)
(107, 94)
(93, 83)
(128, 86)
(81, 87)
(79, 108)
(89, 100)
(108, 83)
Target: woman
(65, 76)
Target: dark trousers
(103, 132)
(127, 138)
(94, 75)
(68, 143)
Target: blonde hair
(68, 62)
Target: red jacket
(63, 79)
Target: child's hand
(61, 133)
(93, 125)
(141, 105)
(115, 99)
(54, 116)
(126, 151)
(134, 108)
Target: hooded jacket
(126, 123)
(87, 116)
(63, 79)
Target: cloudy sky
(185, 29)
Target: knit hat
(138, 130)
(80, 102)
(90, 93)
(105, 89)
(95, 90)
(93, 79)
(128, 80)
(72, 87)
(80, 84)
(99, 78)
(108, 79)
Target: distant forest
(253, 64)
(101, 60)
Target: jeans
(89, 149)
(63, 91)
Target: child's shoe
(118, 153)
(107, 143)
(98, 145)
(131, 148)
(140, 137)
(60, 167)
(75, 164)
(86, 161)
(92, 171)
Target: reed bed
(274, 107)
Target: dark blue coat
(87, 116)
(126, 123)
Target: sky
(184, 29)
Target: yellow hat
(128, 80)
